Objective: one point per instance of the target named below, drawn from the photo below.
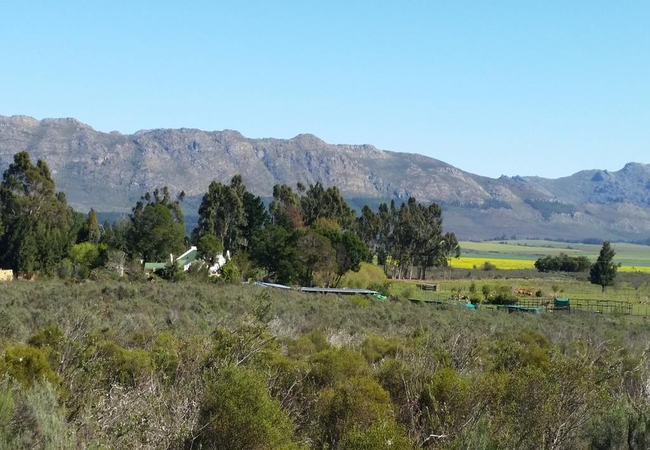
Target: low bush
(27, 365)
(238, 413)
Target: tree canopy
(222, 213)
(306, 235)
(157, 227)
(603, 271)
(563, 263)
(37, 224)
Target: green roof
(188, 257)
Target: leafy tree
(38, 226)
(274, 249)
(171, 272)
(230, 273)
(157, 227)
(450, 248)
(222, 214)
(387, 219)
(209, 246)
(316, 254)
(116, 236)
(350, 251)
(603, 271)
(319, 202)
(285, 208)
(87, 256)
(563, 263)
(416, 234)
(368, 227)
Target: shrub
(475, 299)
(171, 272)
(332, 366)
(447, 400)
(27, 365)
(375, 348)
(237, 412)
(361, 301)
(123, 366)
(383, 434)
(33, 419)
(407, 292)
(50, 340)
(487, 266)
(502, 296)
(164, 355)
(382, 288)
(352, 404)
(368, 274)
(230, 272)
(65, 269)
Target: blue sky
(503, 87)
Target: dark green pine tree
(90, 231)
(603, 271)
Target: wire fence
(591, 306)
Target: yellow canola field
(466, 262)
(634, 269)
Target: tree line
(602, 272)
(307, 235)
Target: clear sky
(493, 87)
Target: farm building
(6, 275)
(184, 261)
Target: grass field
(521, 254)
(577, 290)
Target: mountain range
(111, 171)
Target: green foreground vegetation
(186, 365)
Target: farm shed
(428, 287)
(6, 275)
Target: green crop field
(631, 256)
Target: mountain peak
(307, 139)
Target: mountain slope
(110, 171)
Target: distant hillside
(110, 171)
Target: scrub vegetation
(181, 365)
(96, 354)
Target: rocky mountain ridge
(110, 171)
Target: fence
(592, 306)
(595, 306)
